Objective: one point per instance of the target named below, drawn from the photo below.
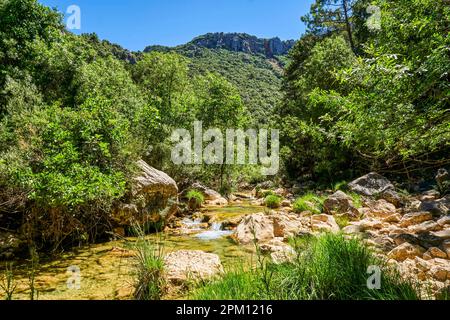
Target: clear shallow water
(107, 269)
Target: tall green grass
(150, 282)
(328, 268)
(309, 202)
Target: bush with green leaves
(378, 103)
(71, 164)
(273, 201)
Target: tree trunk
(348, 25)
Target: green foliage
(312, 276)
(342, 221)
(309, 202)
(340, 186)
(273, 201)
(257, 79)
(196, 199)
(384, 109)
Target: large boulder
(186, 265)
(371, 184)
(153, 198)
(253, 227)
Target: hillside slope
(253, 65)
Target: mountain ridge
(236, 42)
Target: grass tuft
(150, 281)
(196, 199)
(309, 202)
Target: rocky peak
(242, 42)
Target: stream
(106, 269)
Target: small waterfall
(216, 226)
(215, 232)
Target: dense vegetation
(257, 78)
(362, 94)
(75, 116)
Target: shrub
(273, 201)
(309, 202)
(196, 199)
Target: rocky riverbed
(411, 232)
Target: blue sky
(134, 24)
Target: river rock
(212, 197)
(444, 221)
(286, 203)
(279, 251)
(370, 224)
(415, 218)
(288, 225)
(392, 197)
(406, 251)
(436, 253)
(191, 265)
(426, 226)
(436, 207)
(371, 184)
(443, 235)
(381, 209)
(393, 218)
(253, 227)
(340, 203)
(353, 229)
(324, 223)
(440, 269)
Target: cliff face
(241, 42)
(237, 42)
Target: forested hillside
(257, 74)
